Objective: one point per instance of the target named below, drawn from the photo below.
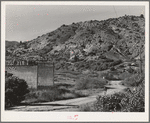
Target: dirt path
(115, 86)
(70, 104)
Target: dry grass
(52, 93)
(85, 86)
(88, 107)
(89, 83)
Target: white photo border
(11, 116)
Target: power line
(115, 11)
(129, 10)
(142, 11)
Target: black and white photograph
(75, 61)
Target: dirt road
(70, 104)
(115, 86)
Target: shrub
(124, 75)
(130, 70)
(44, 95)
(109, 102)
(141, 16)
(116, 63)
(133, 80)
(107, 75)
(112, 69)
(15, 90)
(89, 83)
(104, 66)
(87, 107)
(49, 96)
(133, 100)
(51, 93)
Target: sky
(27, 22)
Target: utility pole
(53, 72)
(37, 74)
(140, 60)
(115, 11)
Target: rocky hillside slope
(94, 44)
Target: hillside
(11, 44)
(94, 44)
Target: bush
(109, 102)
(112, 69)
(15, 90)
(51, 93)
(104, 66)
(133, 80)
(89, 83)
(141, 16)
(86, 107)
(124, 75)
(108, 76)
(132, 100)
(116, 63)
(44, 94)
(130, 70)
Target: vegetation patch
(89, 83)
(133, 80)
(132, 100)
(52, 93)
(88, 107)
(15, 90)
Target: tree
(20, 42)
(25, 46)
(15, 90)
(15, 62)
(112, 68)
(141, 16)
